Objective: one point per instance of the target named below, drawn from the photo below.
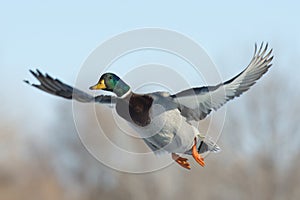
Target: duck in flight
(162, 119)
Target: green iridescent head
(111, 82)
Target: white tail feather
(207, 144)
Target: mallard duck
(161, 118)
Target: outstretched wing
(58, 88)
(213, 97)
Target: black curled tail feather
(207, 144)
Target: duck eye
(110, 77)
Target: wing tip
(262, 48)
(27, 82)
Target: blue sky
(58, 36)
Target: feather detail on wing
(58, 88)
(213, 97)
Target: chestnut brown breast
(135, 109)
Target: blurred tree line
(260, 144)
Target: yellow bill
(99, 86)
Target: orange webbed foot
(183, 162)
(199, 159)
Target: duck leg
(199, 159)
(183, 162)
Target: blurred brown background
(259, 158)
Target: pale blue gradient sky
(57, 37)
